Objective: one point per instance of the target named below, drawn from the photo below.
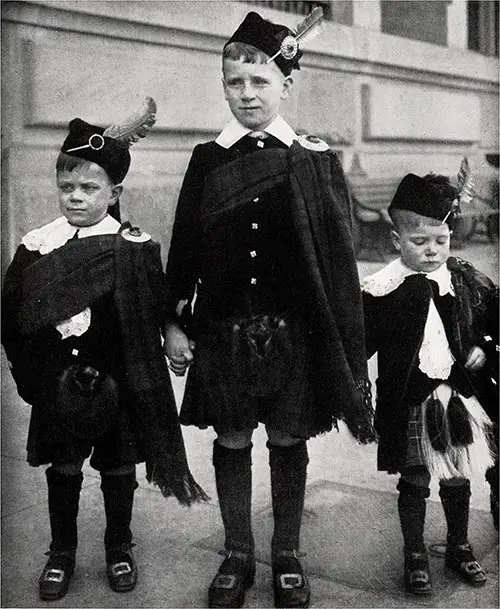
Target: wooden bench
(371, 198)
(480, 216)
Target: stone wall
(401, 105)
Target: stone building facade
(393, 86)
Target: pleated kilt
(248, 371)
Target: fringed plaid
(321, 213)
(67, 280)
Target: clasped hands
(178, 349)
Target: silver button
(255, 226)
(256, 199)
(260, 143)
(253, 253)
(253, 280)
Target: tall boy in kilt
(262, 234)
(81, 326)
(432, 388)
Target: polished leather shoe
(290, 585)
(121, 568)
(236, 574)
(417, 575)
(461, 560)
(56, 575)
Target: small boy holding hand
(431, 414)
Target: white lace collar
(234, 131)
(57, 233)
(392, 276)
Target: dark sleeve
(20, 353)
(182, 270)
(156, 278)
(373, 324)
(491, 339)
(340, 188)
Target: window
(424, 20)
(483, 26)
(300, 8)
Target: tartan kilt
(458, 459)
(230, 389)
(414, 453)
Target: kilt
(239, 379)
(457, 460)
(48, 443)
(414, 453)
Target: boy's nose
(248, 91)
(75, 195)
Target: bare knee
(235, 439)
(453, 481)
(416, 476)
(68, 469)
(281, 438)
(128, 468)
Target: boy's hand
(476, 359)
(178, 349)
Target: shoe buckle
(472, 567)
(121, 568)
(291, 580)
(54, 575)
(226, 582)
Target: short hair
(441, 189)
(245, 52)
(404, 219)
(68, 162)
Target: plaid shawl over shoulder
(63, 282)
(320, 207)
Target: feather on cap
(108, 147)
(431, 196)
(135, 126)
(306, 30)
(278, 41)
(465, 190)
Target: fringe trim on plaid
(460, 461)
(184, 488)
(359, 418)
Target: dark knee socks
(455, 501)
(411, 508)
(233, 478)
(63, 499)
(118, 494)
(288, 482)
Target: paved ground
(350, 531)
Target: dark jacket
(121, 281)
(394, 330)
(315, 256)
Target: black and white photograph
(250, 304)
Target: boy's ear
(116, 191)
(287, 87)
(224, 87)
(396, 240)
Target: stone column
(457, 24)
(366, 13)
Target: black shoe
(236, 574)
(417, 576)
(291, 586)
(56, 575)
(461, 560)
(121, 568)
